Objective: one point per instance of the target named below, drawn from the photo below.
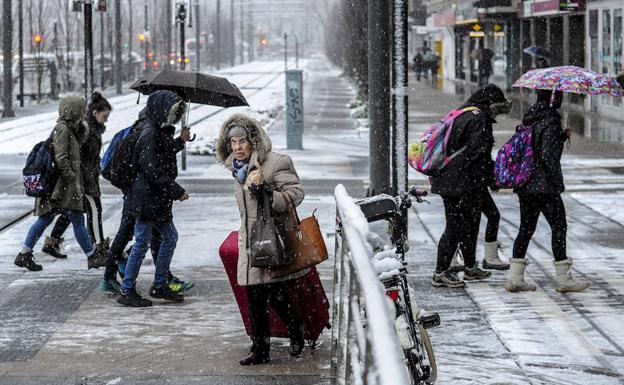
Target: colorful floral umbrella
(570, 79)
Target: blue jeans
(77, 220)
(142, 238)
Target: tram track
(273, 75)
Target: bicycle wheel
(426, 343)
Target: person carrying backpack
(461, 182)
(98, 111)
(541, 194)
(149, 199)
(67, 196)
(123, 236)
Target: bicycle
(411, 322)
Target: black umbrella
(193, 87)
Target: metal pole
(20, 45)
(285, 52)
(130, 38)
(7, 52)
(218, 35)
(399, 97)
(119, 70)
(169, 16)
(242, 34)
(379, 95)
(197, 36)
(102, 50)
(148, 62)
(296, 52)
(232, 49)
(88, 32)
(182, 19)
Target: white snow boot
(565, 282)
(457, 263)
(516, 281)
(491, 258)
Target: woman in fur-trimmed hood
(244, 148)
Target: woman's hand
(184, 197)
(258, 190)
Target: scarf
(240, 168)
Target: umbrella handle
(192, 139)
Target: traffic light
(38, 39)
(101, 6)
(264, 41)
(142, 38)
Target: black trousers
(124, 235)
(531, 206)
(463, 214)
(259, 297)
(93, 207)
(489, 209)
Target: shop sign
(532, 8)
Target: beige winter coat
(278, 172)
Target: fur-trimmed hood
(255, 134)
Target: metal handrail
(365, 346)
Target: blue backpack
(110, 151)
(40, 173)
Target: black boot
(28, 261)
(133, 299)
(52, 246)
(99, 257)
(259, 353)
(165, 292)
(297, 341)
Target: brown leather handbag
(303, 241)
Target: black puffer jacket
(152, 193)
(90, 156)
(548, 140)
(472, 169)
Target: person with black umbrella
(150, 198)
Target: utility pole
(379, 96)
(88, 32)
(148, 62)
(252, 37)
(118, 62)
(169, 16)
(102, 50)
(182, 20)
(399, 97)
(232, 49)
(285, 52)
(130, 38)
(242, 33)
(7, 52)
(197, 37)
(20, 48)
(218, 35)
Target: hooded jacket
(90, 156)
(548, 139)
(473, 168)
(278, 171)
(151, 194)
(67, 137)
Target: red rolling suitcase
(306, 292)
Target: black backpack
(40, 173)
(121, 170)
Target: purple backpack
(515, 160)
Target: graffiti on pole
(294, 109)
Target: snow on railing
(365, 346)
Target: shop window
(606, 41)
(593, 37)
(617, 47)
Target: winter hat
(159, 104)
(548, 97)
(236, 131)
(487, 95)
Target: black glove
(258, 190)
